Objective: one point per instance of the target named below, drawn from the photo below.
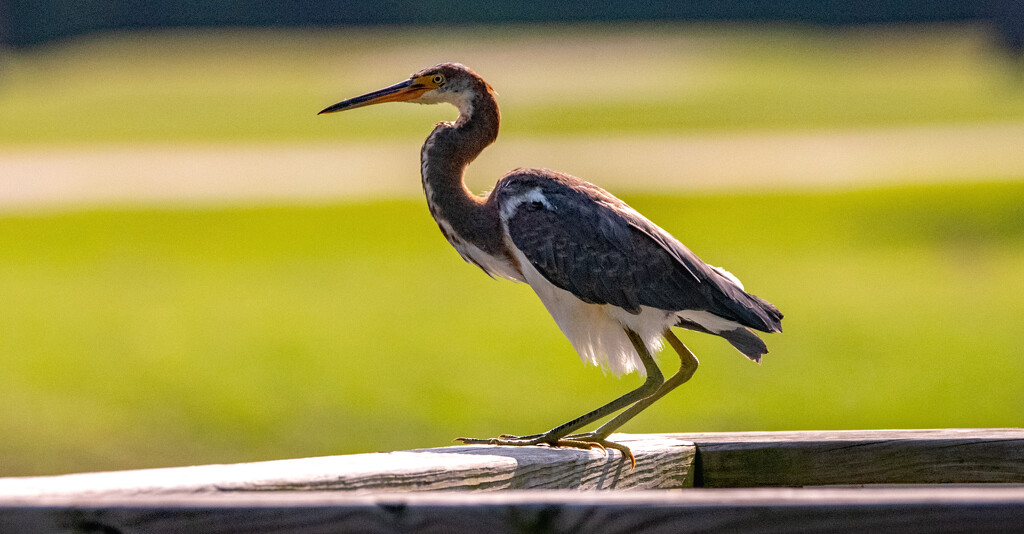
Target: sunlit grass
(160, 337)
(268, 85)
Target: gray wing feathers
(587, 242)
(587, 258)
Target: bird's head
(448, 82)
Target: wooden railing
(969, 480)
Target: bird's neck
(447, 152)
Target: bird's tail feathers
(740, 337)
(733, 302)
(749, 310)
(767, 313)
(746, 342)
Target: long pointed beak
(400, 92)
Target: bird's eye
(438, 80)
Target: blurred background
(195, 268)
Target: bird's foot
(513, 436)
(602, 441)
(586, 441)
(540, 439)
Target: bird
(614, 282)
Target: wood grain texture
(381, 490)
(661, 463)
(753, 510)
(751, 459)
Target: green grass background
(141, 336)
(177, 86)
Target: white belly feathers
(596, 330)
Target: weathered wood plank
(751, 459)
(753, 510)
(662, 463)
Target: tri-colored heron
(614, 281)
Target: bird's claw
(504, 439)
(603, 443)
(478, 441)
(513, 436)
(585, 441)
(623, 450)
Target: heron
(614, 282)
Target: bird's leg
(555, 436)
(687, 366)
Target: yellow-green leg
(687, 366)
(556, 437)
